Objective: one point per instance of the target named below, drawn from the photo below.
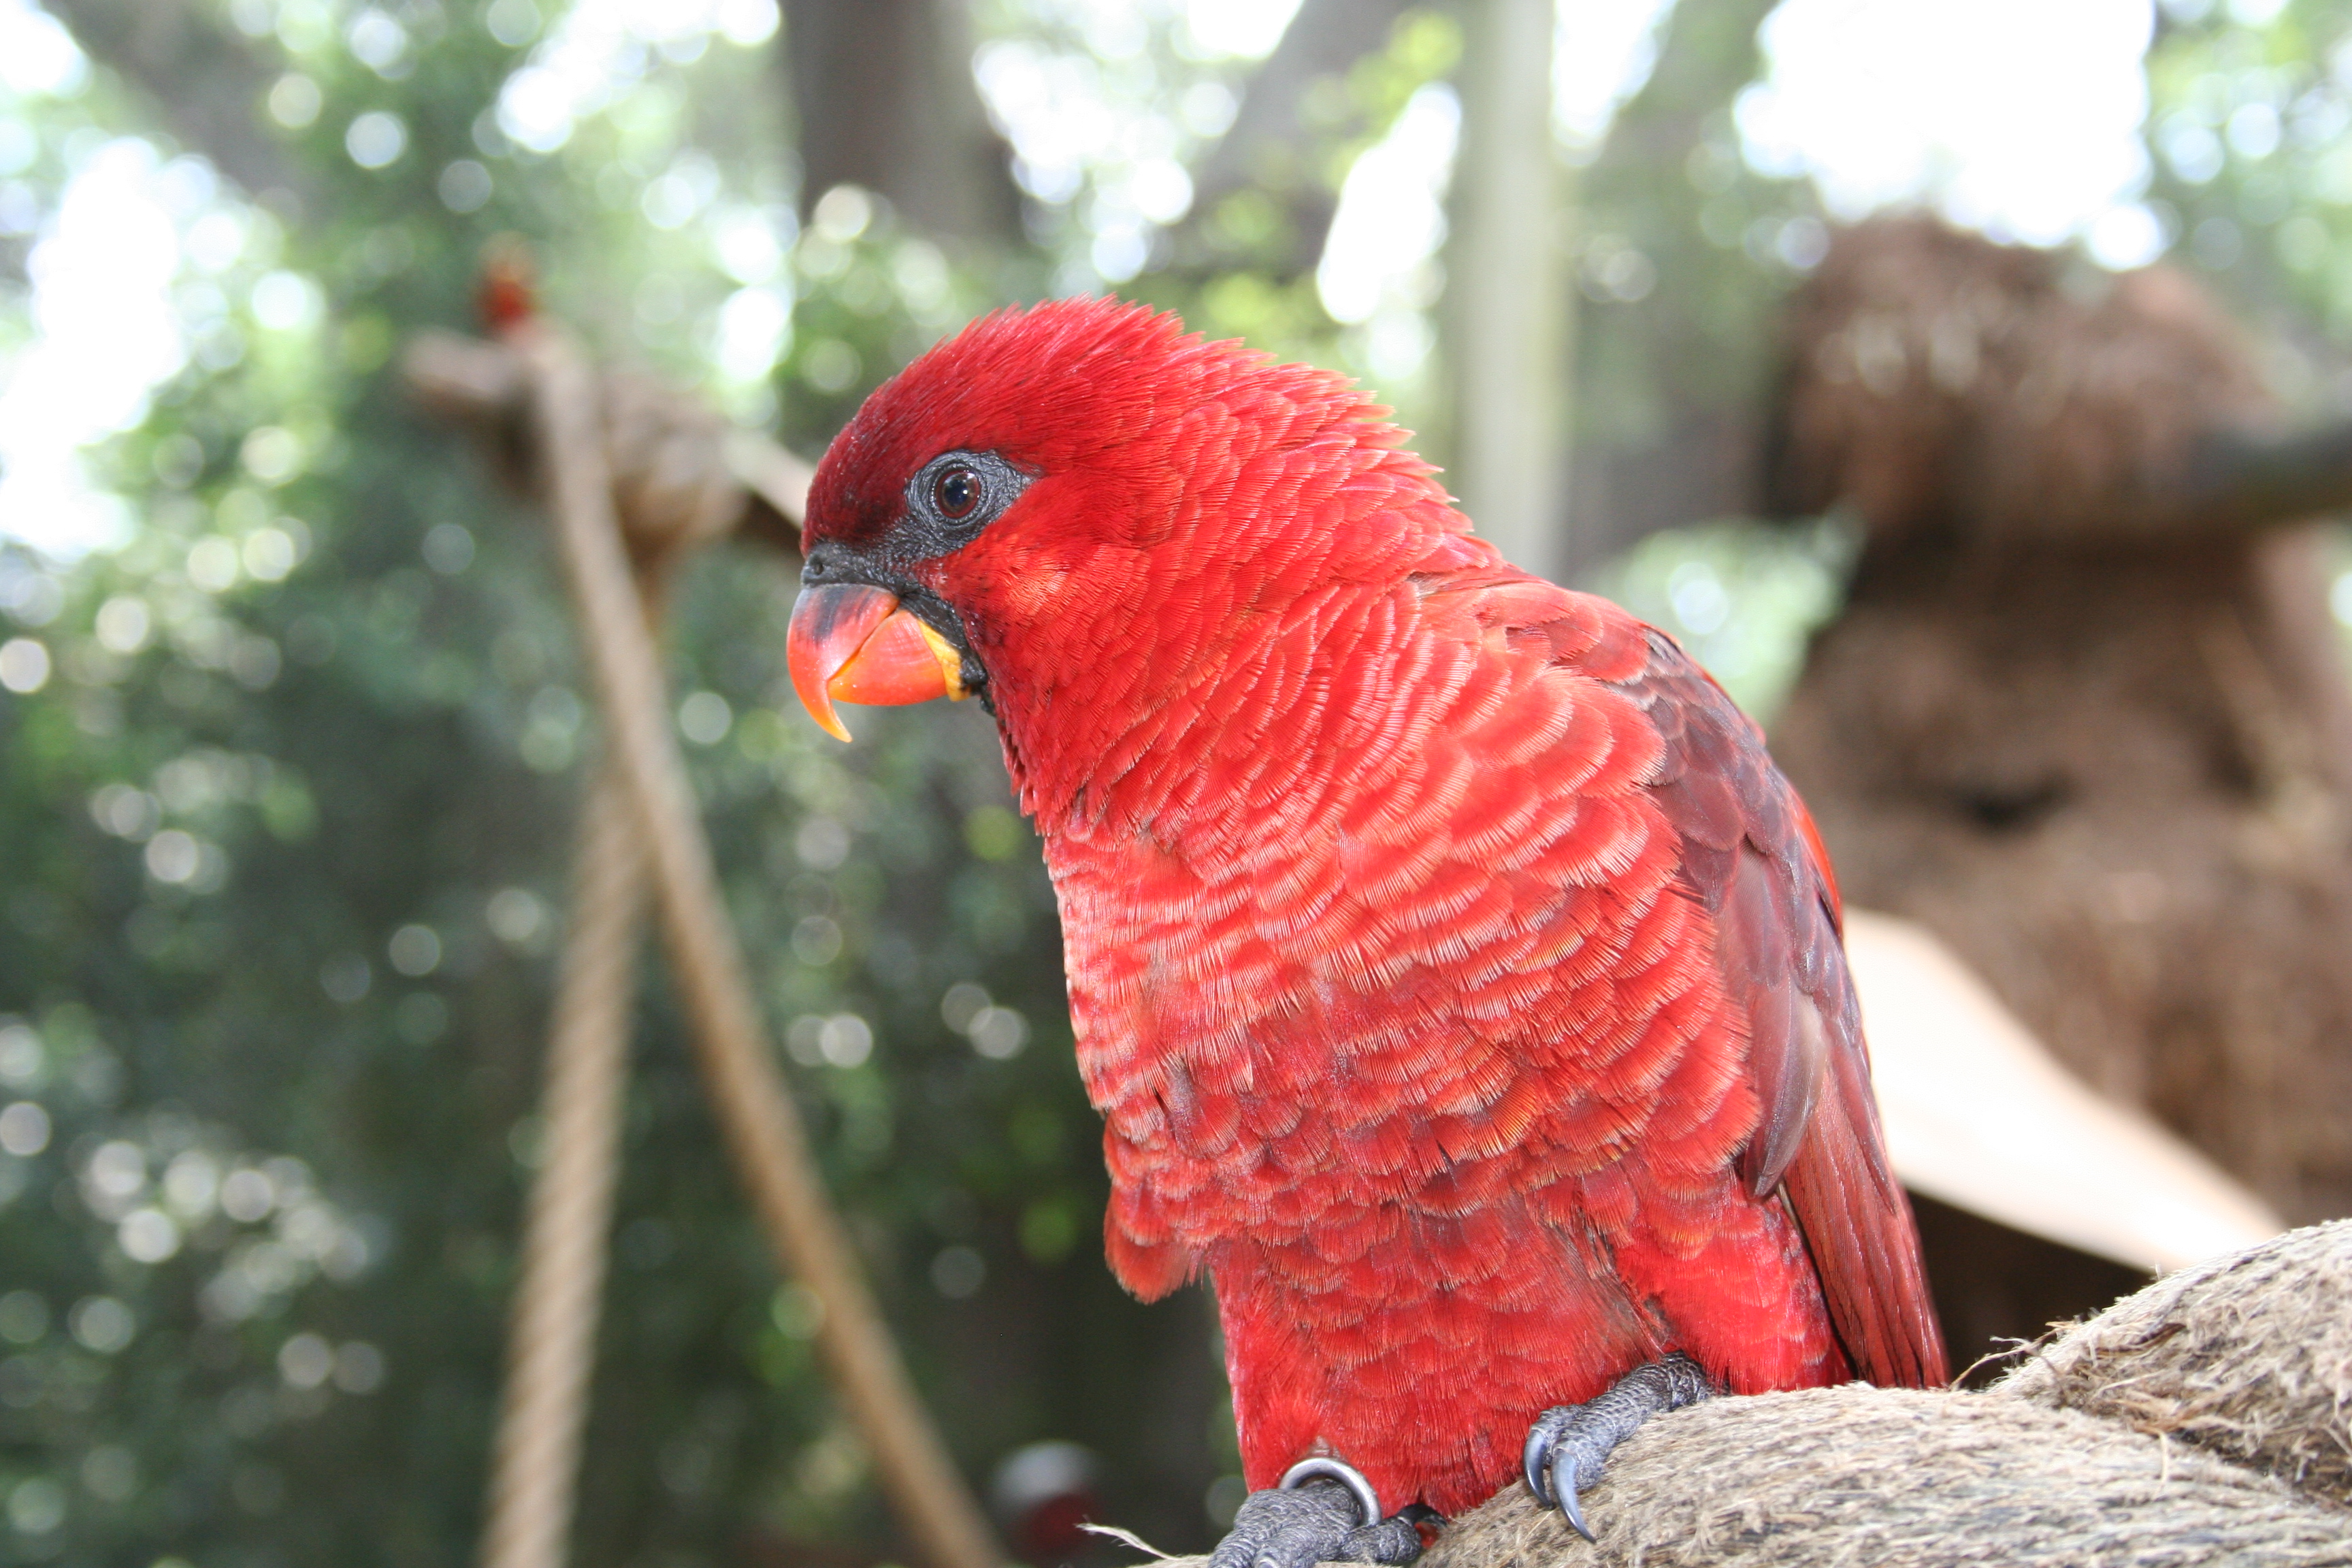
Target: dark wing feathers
(1751, 855)
(1787, 1042)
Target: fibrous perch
(2205, 1419)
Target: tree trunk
(1674, 440)
(885, 101)
(1268, 150)
(1507, 313)
(201, 79)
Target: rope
(757, 1117)
(552, 1340)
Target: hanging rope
(551, 1346)
(654, 829)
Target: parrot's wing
(1751, 854)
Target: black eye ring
(957, 493)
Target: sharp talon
(1574, 1515)
(1531, 1463)
(1368, 1501)
(1567, 1444)
(1562, 1478)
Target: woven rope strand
(552, 1338)
(761, 1124)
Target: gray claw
(1563, 1481)
(1569, 1444)
(1531, 1459)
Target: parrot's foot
(1569, 1443)
(1324, 1512)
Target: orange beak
(851, 641)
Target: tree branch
(206, 85)
(2235, 480)
(886, 99)
(1266, 147)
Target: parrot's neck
(1209, 711)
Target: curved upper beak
(852, 641)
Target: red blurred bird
(1460, 983)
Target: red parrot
(1459, 982)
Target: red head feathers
(1079, 507)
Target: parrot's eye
(952, 498)
(957, 493)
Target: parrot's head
(1069, 510)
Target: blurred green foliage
(2249, 141)
(2252, 171)
(285, 827)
